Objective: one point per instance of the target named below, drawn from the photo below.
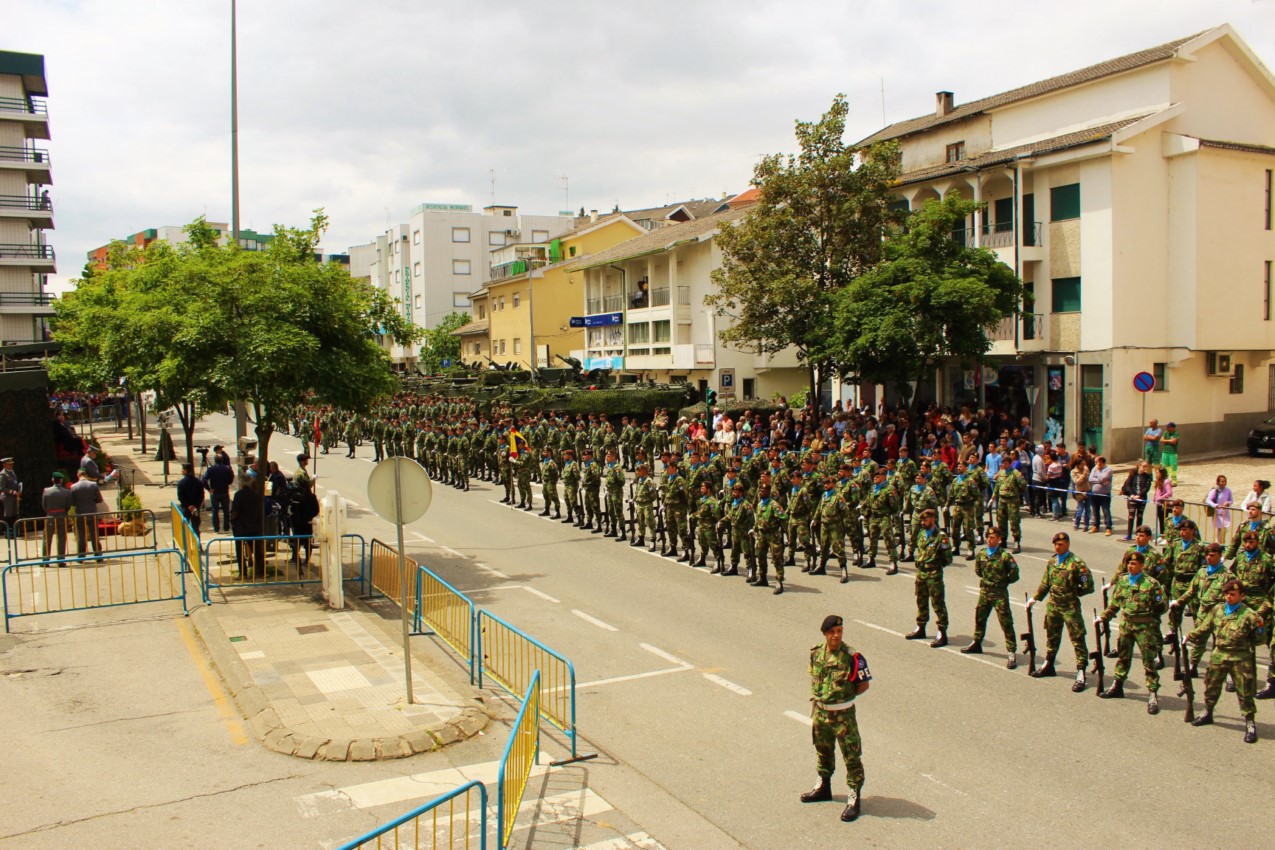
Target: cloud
(364, 107)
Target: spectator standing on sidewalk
(1100, 494)
(190, 495)
(1081, 488)
(1135, 490)
(1259, 495)
(1162, 495)
(84, 498)
(1151, 443)
(1219, 503)
(218, 479)
(1169, 451)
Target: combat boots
(820, 570)
(1205, 719)
(641, 541)
(1115, 691)
(845, 572)
(916, 634)
(545, 512)
(1250, 732)
(1045, 670)
(1153, 704)
(940, 640)
(851, 811)
(761, 578)
(908, 558)
(894, 568)
(1079, 685)
(821, 793)
(687, 554)
(779, 586)
(1267, 692)
(975, 648)
(734, 569)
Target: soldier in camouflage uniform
(378, 440)
(549, 479)
(838, 675)
(707, 513)
(1265, 537)
(1066, 579)
(1237, 631)
(1256, 571)
(738, 516)
(590, 483)
(966, 499)
(996, 570)
(801, 508)
(1140, 600)
(571, 486)
(1204, 592)
(676, 499)
(1184, 557)
(645, 494)
(506, 475)
(1010, 487)
(613, 478)
(1153, 563)
(933, 554)
(768, 520)
(852, 494)
(879, 506)
(834, 513)
(351, 435)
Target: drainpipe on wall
(624, 310)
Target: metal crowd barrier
(447, 612)
(111, 531)
(385, 577)
(354, 552)
(1195, 511)
(522, 751)
(415, 830)
(6, 553)
(263, 560)
(185, 539)
(101, 581)
(513, 659)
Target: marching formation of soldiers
(773, 508)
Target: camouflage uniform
(507, 474)
(996, 572)
(613, 477)
(833, 515)
(1009, 498)
(1141, 603)
(879, 506)
(965, 498)
(522, 470)
(933, 553)
(800, 509)
(739, 515)
(707, 513)
(1236, 633)
(645, 492)
(549, 477)
(1183, 562)
(674, 496)
(1066, 579)
(834, 680)
(769, 519)
(1202, 595)
(571, 489)
(591, 481)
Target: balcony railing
(25, 202)
(998, 234)
(29, 105)
(517, 267)
(16, 154)
(24, 251)
(612, 303)
(660, 297)
(25, 299)
(593, 306)
(704, 354)
(1033, 327)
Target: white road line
(594, 620)
(616, 679)
(367, 460)
(451, 551)
(944, 784)
(420, 536)
(491, 570)
(672, 659)
(539, 593)
(399, 789)
(800, 718)
(879, 628)
(639, 840)
(728, 685)
(952, 650)
(974, 590)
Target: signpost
(400, 492)
(1144, 382)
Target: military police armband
(861, 673)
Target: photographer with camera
(203, 457)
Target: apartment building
(431, 264)
(645, 317)
(1134, 199)
(26, 210)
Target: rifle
(661, 528)
(1188, 687)
(1029, 640)
(1106, 626)
(1096, 656)
(632, 521)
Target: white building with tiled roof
(1134, 198)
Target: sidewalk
(312, 682)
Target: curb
(265, 724)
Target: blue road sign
(1144, 382)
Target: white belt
(839, 706)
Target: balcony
(38, 211)
(32, 162)
(36, 257)
(705, 356)
(26, 303)
(1031, 334)
(505, 271)
(31, 112)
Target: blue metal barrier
(522, 751)
(447, 612)
(361, 560)
(412, 822)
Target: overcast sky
(369, 108)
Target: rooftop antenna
(883, 101)
(492, 172)
(566, 193)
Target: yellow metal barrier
(433, 826)
(512, 660)
(521, 753)
(94, 582)
(187, 541)
(1199, 512)
(448, 612)
(386, 578)
(230, 561)
(46, 538)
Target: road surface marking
(728, 685)
(594, 620)
(491, 570)
(672, 659)
(944, 784)
(800, 718)
(539, 593)
(451, 551)
(879, 628)
(637, 839)
(632, 677)
(974, 590)
(420, 536)
(950, 649)
(229, 716)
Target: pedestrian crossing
(564, 806)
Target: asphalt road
(694, 689)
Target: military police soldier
(996, 570)
(838, 675)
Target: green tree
(818, 224)
(439, 344)
(931, 298)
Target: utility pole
(241, 411)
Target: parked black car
(1261, 440)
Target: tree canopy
(440, 344)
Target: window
(398, 277)
(517, 299)
(478, 348)
(496, 239)
(502, 346)
(1269, 189)
(1237, 380)
(1066, 292)
(1266, 294)
(416, 269)
(639, 333)
(956, 152)
(417, 302)
(517, 345)
(1004, 211)
(460, 266)
(502, 302)
(460, 300)
(750, 389)
(1161, 375)
(539, 236)
(572, 249)
(460, 234)
(482, 311)
(663, 331)
(1064, 202)
(416, 237)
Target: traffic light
(710, 397)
